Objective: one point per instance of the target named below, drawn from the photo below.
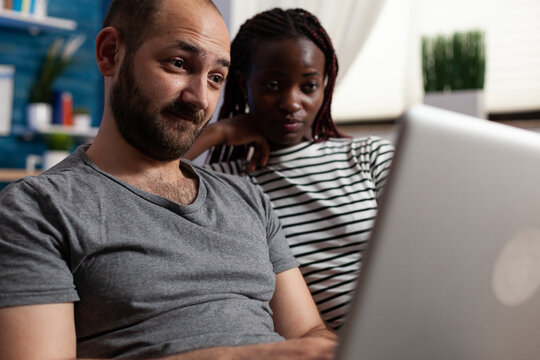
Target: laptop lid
(453, 269)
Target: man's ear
(242, 78)
(108, 49)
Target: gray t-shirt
(149, 277)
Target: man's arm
(295, 317)
(48, 331)
(37, 332)
(295, 312)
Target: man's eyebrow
(224, 62)
(182, 45)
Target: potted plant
(82, 119)
(58, 148)
(59, 56)
(454, 71)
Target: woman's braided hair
(277, 24)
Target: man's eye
(179, 63)
(217, 79)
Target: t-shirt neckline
(153, 198)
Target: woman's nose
(290, 101)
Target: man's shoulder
(212, 174)
(58, 182)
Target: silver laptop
(453, 270)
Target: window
(386, 76)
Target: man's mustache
(185, 111)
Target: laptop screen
(453, 269)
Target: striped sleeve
(378, 154)
(232, 167)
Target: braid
(277, 24)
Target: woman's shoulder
(230, 173)
(367, 143)
(225, 182)
(234, 167)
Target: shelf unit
(29, 134)
(34, 24)
(70, 130)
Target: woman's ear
(108, 46)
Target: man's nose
(195, 93)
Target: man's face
(166, 92)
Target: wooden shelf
(29, 134)
(70, 130)
(9, 175)
(34, 24)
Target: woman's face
(285, 89)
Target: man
(123, 250)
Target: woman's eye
(272, 85)
(311, 87)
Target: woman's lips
(290, 125)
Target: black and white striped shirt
(325, 195)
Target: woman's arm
(238, 130)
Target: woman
(322, 184)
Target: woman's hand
(239, 130)
(235, 131)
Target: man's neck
(112, 154)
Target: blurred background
(389, 52)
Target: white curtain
(348, 22)
(385, 76)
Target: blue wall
(82, 78)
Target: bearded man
(125, 251)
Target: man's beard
(140, 124)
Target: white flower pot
(469, 102)
(82, 122)
(38, 116)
